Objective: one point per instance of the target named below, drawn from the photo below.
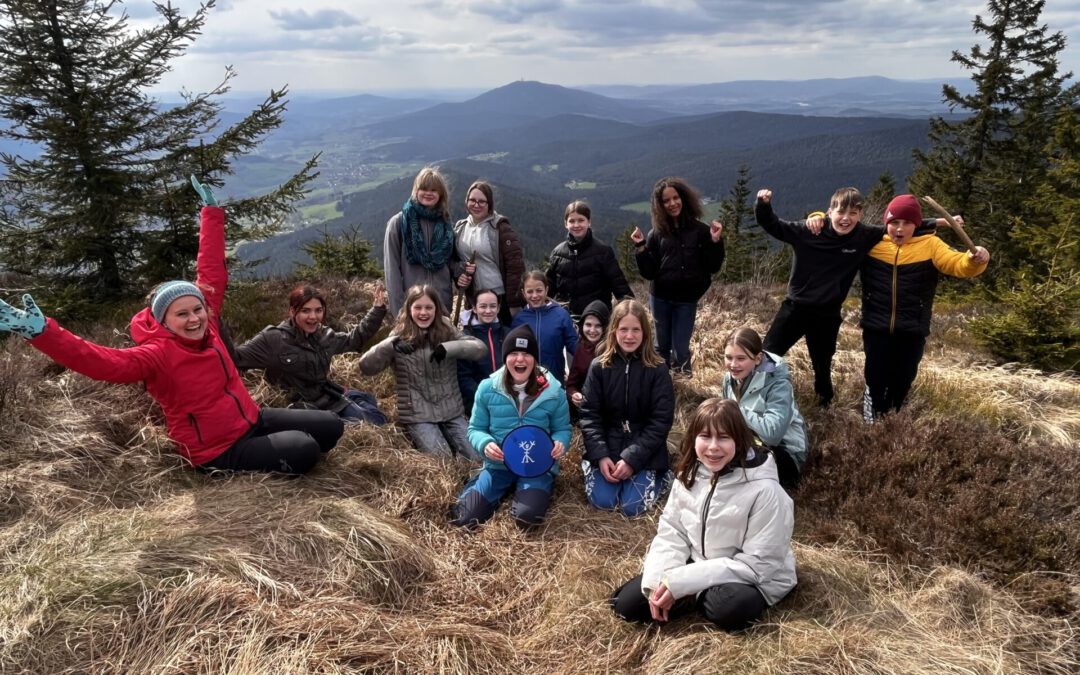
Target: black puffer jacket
(627, 413)
(300, 363)
(582, 271)
(680, 265)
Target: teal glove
(204, 191)
(28, 323)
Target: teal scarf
(412, 236)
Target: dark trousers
(284, 440)
(820, 326)
(731, 607)
(674, 324)
(892, 362)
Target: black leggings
(732, 607)
(283, 441)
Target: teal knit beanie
(169, 291)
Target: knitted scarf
(412, 236)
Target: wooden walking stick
(952, 223)
(460, 299)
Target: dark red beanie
(904, 207)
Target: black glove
(438, 354)
(402, 347)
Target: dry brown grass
(117, 559)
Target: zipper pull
(626, 426)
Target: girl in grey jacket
(760, 382)
(723, 544)
(424, 348)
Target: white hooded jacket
(733, 527)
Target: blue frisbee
(527, 451)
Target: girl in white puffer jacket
(723, 544)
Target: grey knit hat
(169, 291)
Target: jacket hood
(144, 328)
(543, 309)
(491, 220)
(469, 319)
(762, 466)
(598, 309)
(772, 363)
(550, 387)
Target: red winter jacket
(206, 406)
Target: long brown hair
(440, 330)
(691, 206)
(646, 351)
(718, 415)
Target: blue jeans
(444, 439)
(633, 496)
(674, 324)
(362, 408)
(486, 489)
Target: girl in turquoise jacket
(520, 393)
(760, 382)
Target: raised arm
(647, 253)
(71, 351)
(769, 221)
(211, 274)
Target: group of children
(723, 543)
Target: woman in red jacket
(180, 356)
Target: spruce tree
(106, 204)
(750, 255)
(986, 163)
(878, 198)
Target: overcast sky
(362, 45)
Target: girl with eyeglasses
(489, 254)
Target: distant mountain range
(544, 145)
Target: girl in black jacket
(582, 269)
(679, 257)
(627, 413)
(295, 355)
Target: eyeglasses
(477, 202)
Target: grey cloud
(514, 11)
(322, 19)
(355, 39)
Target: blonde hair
(625, 308)
(429, 178)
